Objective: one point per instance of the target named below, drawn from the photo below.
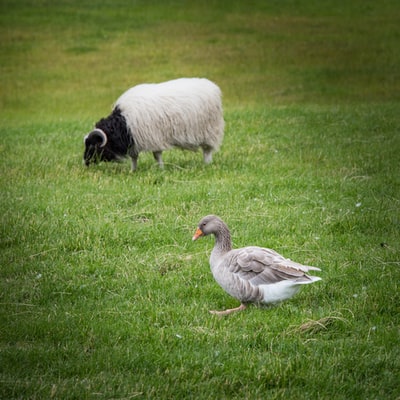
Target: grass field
(103, 293)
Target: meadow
(103, 293)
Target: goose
(251, 274)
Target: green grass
(104, 295)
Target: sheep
(185, 113)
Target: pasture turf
(104, 295)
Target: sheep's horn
(97, 133)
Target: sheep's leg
(134, 155)
(158, 158)
(134, 164)
(207, 154)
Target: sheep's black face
(96, 148)
(91, 154)
(94, 154)
(109, 140)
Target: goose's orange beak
(197, 234)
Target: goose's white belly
(279, 291)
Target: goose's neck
(223, 242)
(222, 245)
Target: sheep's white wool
(185, 113)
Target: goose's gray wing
(262, 266)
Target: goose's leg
(230, 310)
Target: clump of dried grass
(320, 325)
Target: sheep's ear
(97, 136)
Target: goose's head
(211, 224)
